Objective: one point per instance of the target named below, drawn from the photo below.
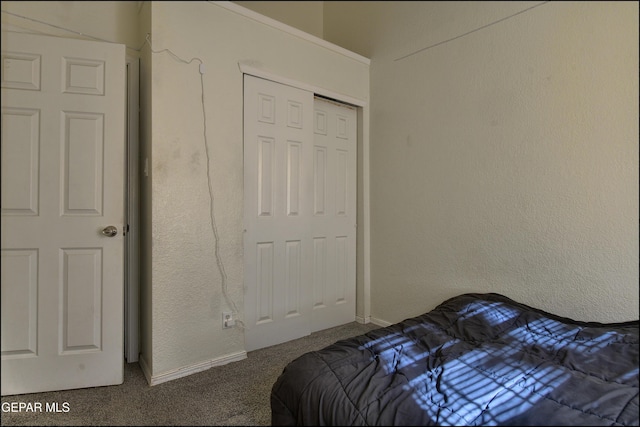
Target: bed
(476, 359)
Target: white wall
(188, 295)
(303, 15)
(112, 21)
(505, 160)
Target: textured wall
(505, 160)
(187, 289)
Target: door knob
(110, 231)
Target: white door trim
(132, 243)
(249, 69)
(363, 140)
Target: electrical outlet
(227, 320)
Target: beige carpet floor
(237, 393)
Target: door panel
(63, 158)
(278, 122)
(334, 219)
(299, 213)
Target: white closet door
(299, 213)
(63, 158)
(334, 214)
(278, 143)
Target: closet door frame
(363, 279)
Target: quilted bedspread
(476, 359)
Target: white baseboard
(189, 370)
(363, 320)
(145, 368)
(380, 322)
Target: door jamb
(132, 232)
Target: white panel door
(277, 148)
(63, 151)
(299, 213)
(334, 214)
